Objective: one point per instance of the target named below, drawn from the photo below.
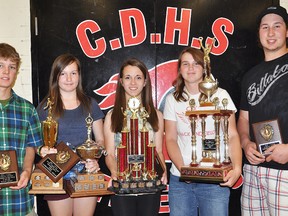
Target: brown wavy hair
(179, 83)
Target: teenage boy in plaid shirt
(20, 131)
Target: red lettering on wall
(81, 32)
(220, 26)
(133, 26)
(196, 43)
(134, 32)
(182, 25)
(164, 205)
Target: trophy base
(205, 174)
(42, 184)
(88, 184)
(135, 187)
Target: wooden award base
(205, 174)
(136, 186)
(86, 184)
(42, 184)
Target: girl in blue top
(71, 107)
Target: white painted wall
(15, 30)
(284, 3)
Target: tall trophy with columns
(209, 168)
(137, 160)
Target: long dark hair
(179, 83)
(58, 66)
(146, 97)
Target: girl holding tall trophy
(190, 197)
(70, 109)
(133, 93)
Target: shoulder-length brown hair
(58, 66)
(146, 97)
(179, 83)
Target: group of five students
(265, 177)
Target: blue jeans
(189, 199)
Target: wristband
(39, 150)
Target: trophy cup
(210, 168)
(9, 175)
(266, 134)
(87, 183)
(138, 165)
(49, 127)
(47, 177)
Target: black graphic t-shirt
(265, 97)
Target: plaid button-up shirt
(19, 128)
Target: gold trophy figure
(209, 85)
(49, 127)
(5, 162)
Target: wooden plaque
(266, 133)
(55, 166)
(9, 174)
